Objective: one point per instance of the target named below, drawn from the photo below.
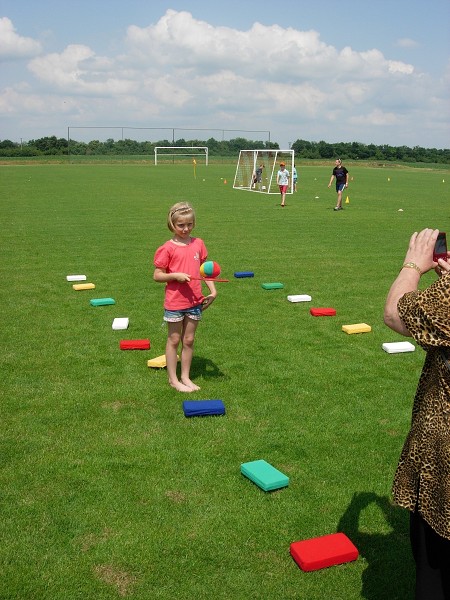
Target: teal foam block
(272, 286)
(264, 475)
(102, 301)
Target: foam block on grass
(203, 408)
(357, 328)
(159, 362)
(76, 278)
(135, 344)
(299, 298)
(323, 312)
(102, 301)
(272, 286)
(83, 286)
(395, 347)
(241, 274)
(324, 551)
(267, 477)
(120, 323)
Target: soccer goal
(169, 152)
(257, 170)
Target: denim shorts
(174, 316)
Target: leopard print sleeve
(426, 314)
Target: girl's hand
(208, 300)
(181, 277)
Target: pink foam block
(325, 551)
(134, 344)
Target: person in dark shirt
(340, 173)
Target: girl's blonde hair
(180, 209)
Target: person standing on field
(340, 173)
(294, 177)
(283, 182)
(422, 479)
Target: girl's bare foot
(190, 384)
(180, 387)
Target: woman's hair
(180, 209)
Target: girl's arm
(161, 276)
(209, 299)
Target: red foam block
(325, 551)
(322, 312)
(134, 344)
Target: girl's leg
(187, 339)
(174, 333)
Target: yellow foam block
(357, 328)
(159, 362)
(83, 286)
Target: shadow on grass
(206, 368)
(390, 572)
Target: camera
(440, 248)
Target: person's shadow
(390, 572)
(206, 368)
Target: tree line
(52, 145)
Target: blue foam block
(203, 408)
(241, 274)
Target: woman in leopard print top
(422, 479)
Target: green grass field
(107, 490)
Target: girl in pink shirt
(176, 263)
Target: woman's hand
(443, 266)
(420, 250)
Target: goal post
(257, 170)
(171, 151)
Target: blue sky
(373, 72)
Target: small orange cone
(224, 180)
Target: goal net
(257, 170)
(163, 153)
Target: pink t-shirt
(173, 258)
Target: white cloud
(184, 72)
(376, 117)
(396, 66)
(406, 43)
(14, 46)
(77, 70)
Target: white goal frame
(204, 151)
(248, 162)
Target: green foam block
(102, 301)
(264, 475)
(272, 286)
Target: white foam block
(76, 277)
(120, 323)
(394, 347)
(300, 298)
